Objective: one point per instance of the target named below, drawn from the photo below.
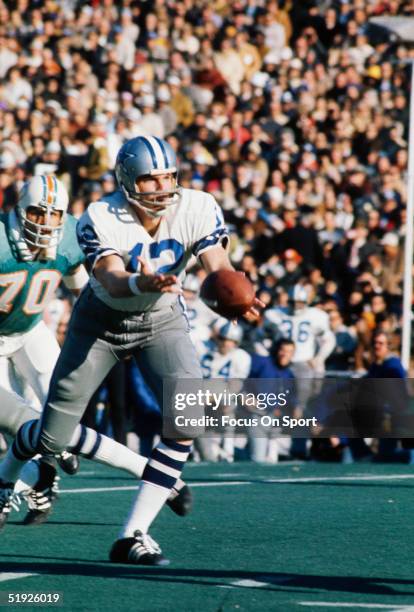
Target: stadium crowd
(294, 115)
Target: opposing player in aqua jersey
(39, 248)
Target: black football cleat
(68, 463)
(181, 500)
(40, 499)
(138, 550)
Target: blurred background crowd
(294, 115)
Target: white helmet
(49, 194)
(228, 330)
(298, 295)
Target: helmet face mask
(155, 203)
(228, 335)
(225, 345)
(142, 159)
(47, 197)
(298, 299)
(296, 308)
(40, 235)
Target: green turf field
(286, 537)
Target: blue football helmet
(147, 156)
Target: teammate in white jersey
(138, 242)
(200, 317)
(307, 326)
(221, 357)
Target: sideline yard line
(338, 604)
(233, 483)
(5, 576)
(230, 483)
(257, 584)
(341, 478)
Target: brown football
(228, 293)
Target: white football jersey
(111, 226)
(200, 318)
(236, 364)
(307, 330)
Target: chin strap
(21, 250)
(145, 205)
(48, 254)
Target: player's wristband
(132, 284)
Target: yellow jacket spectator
(249, 55)
(180, 103)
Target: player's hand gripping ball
(229, 293)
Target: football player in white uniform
(138, 242)
(200, 317)
(308, 327)
(221, 357)
(38, 247)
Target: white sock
(147, 504)
(160, 475)
(97, 447)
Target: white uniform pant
(27, 370)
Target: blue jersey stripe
(210, 240)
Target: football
(230, 294)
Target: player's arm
(326, 343)
(110, 272)
(216, 258)
(76, 279)
(99, 246)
